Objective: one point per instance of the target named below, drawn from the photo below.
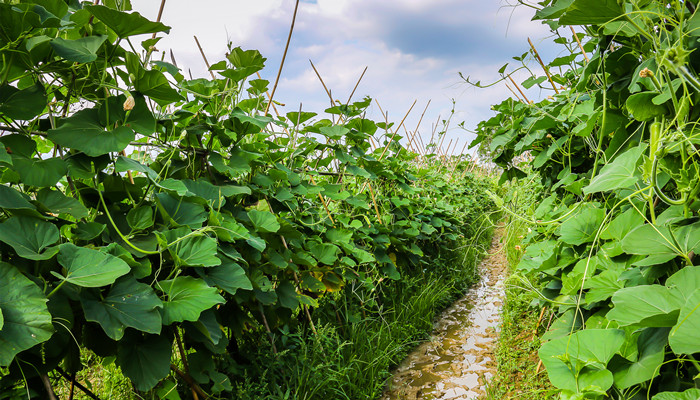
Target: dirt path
(458, 360)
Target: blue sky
(414, 50)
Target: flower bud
(129, 103)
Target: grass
(519, 375)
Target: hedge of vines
(614, 240)
(156, 220)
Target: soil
(459, 359)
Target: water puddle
(458, 360)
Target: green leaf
(22, 104)
(576, 361)
(642, 108)
(145, 359)
(591, 12)
(690, 394)
(620, 174)
(287, 295)
(685, 335)
(25, 320)
(264, 221)
(660, 240)
(647, 305)
(83, 50)
(334, 132)
(140, 218)
(126, 24)
(229, 276)
(325, 253)
(685, 281)
(89, 268)
(11, 199)
(181, 211)
(58, 203)
(582, 227)
(82, 131)
(187, 298)
(192, 250)
(30, 237)
(651, 346)
(40, 172)
(129, 304)
(154, 84)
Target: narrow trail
(458, 360)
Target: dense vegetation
(231, 250)
(614, 238)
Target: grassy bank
(519, 373)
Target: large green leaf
(181, 211)
(325, 253)
(11, 199)
(39, 172)
(582, 227)
(264, 221)
(642, 108)
(22, 104)
(30, 237)
(129, 304)
(647, 305)
(25, 320)
(83, 131)
(83, 50)
(690, 394)
(651, 346)
(187, 298)
(155, 85)
(229, 276)
(126, 24)
(685, 335)
(145, 359)
(89, 268)
(58, 203)
(579, 360)
(619, 174)
(591, 12)
(195, 250)
(660, 240)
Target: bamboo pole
(284, 56)
(537, 55)
(580, 46)
(323, 200)
(515, 94)
(518, 87)
(356, 85)
(374, 201)
(204, 57)
(160, 14)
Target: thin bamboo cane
(515, 94)
(284, 56)
(323, 200)
(580, 46)
(374, 201)
(204, 57)
(518, 87)
(160, 14)
(537, 55)
(356, 85)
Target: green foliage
(158, 222)
(614, 239)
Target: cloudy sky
(414, 50)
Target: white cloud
(414, 49)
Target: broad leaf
(685, 335)
(690, 394)
(129, 304)
(264, 221)
(30, 237)
(647, 305)
(82, 131)
(11, 199)
(192, 250)
(187, 298)
(126, 24)
(25, 320)
(582, 227)
(651, 346)
(591, 12)
(83, 50)
(181, 211)
(145, 359)
(40, 172)
(621, 173)
(642, 108)
(229, 276)
(58, 203)
(89, 268)
(22, 104)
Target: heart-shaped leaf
(89, 268)
(30, 237)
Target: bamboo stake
(204, 57)
(518, 87)
(435, 126)
(269, 98)
(538, 323)
(181, 349)
(322, 82)
(172, 57)
(515, 94)
(580, 46)
(267, 328)
(160, 14)
(543, 66)
(397, 129)
(374, 201)
(419, 121)
(356, 85)
(284, 56)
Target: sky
(414, 50)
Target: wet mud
(459, 359)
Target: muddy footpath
(459, 359)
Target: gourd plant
(221, 221)
(614, 240)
